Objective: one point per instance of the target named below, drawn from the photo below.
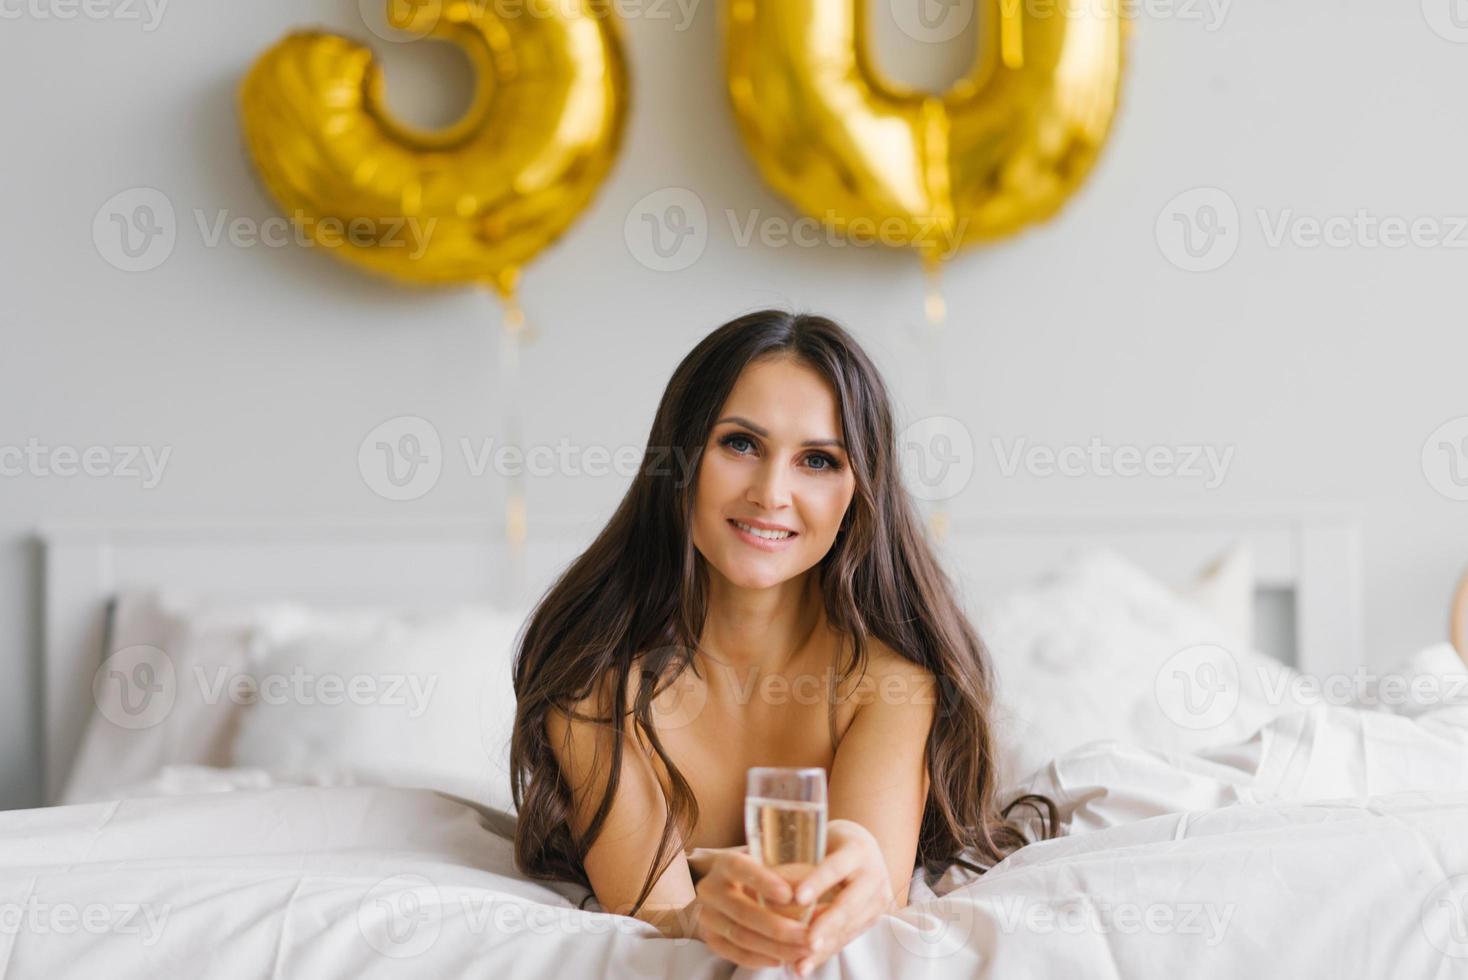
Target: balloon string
(935, 337)
(513, 337)
(934, 306)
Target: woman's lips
(764, 544)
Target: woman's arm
(722, 910)
(619, 859)
(879, 778)
(877, 792)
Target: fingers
(828, 929)
(835, 925)
(772, 925)
(745, 870)
(735, 941)
(836, 868)
(736, 925)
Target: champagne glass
(785, 824)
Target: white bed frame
(1312, 554)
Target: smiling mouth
(759, 536)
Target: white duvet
(1334, 842)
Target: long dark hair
(636, 598)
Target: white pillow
(1101, 650)
(1078, 657)
(404, 698)
(210, 658)
(176, 643)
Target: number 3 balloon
(468, 204)
(1003, 147)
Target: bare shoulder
(589, 721)
(888, 661)
(593, 704)
(583, 736)
(889, 677)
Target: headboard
(1311, 558)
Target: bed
(213, 827)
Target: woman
(763, 595)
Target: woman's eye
(826, 460)
(731, 440)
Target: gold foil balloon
(468, 204)
(1005, 146)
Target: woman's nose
(770, 490)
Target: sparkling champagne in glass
(785, 823)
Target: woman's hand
(854, 862)
(701, 859)
(728, 916)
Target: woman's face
(775, 458)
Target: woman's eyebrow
(763, 433)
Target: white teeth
(761, 533)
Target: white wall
(1324, 368)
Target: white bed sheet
(1334, 842)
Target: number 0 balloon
(1004, 147)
